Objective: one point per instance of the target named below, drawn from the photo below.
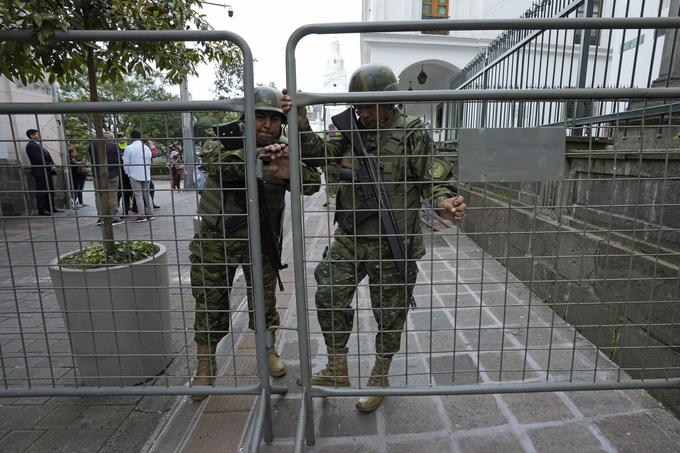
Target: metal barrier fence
(496, 321)
(565, 58)
(519, 315)
(125, 330)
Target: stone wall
(17, 190)
(600, 247)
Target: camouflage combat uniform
(410, 172)
(222, 244)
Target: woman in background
(176, 165)
(78, 176)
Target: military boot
(206, 368)
(335, 374)
(379, 378)
(277, 367)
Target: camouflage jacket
(223, 203)
(410, 170)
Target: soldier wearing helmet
(221, 243)
(410, 172)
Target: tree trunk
(101, 171)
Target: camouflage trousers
(332, 174)
(346, 262)
(214, 262)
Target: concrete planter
(117, 318)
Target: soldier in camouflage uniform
(222, 243)
(410, 172)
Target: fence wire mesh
(127, 327)
(549, 283)
(46, 331)
(544, 283)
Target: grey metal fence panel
(38, 351)
(509, 298)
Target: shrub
(124, 252)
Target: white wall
(639, 56)
(13, 136)
(401, 50)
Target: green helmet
(268, 99)
(373, 77)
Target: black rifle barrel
(368, 176)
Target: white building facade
(334, 81)
(616, 58)
(439, 56)
(15, 179)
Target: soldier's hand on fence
(287, 103)
(279, 168)
(275, 151)
(453, 208)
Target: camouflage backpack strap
(402, 128)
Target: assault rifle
(231, 136)
(271, 248)
(369, 179)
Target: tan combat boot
(379, 378)
(336, 373)
(277, 367)
(206, 368)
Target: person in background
(125, 196)
(78, 176)
(200, 173)
(43, 171)
(107, 202)
(152, 187)
(137, 165)
(176, 165)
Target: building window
(436, 9)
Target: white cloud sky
(266, 26)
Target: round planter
(117, 318)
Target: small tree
(32, 61)
(78, 127)
(229, 79)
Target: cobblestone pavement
(469, 308)
(40, 356)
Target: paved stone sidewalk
(33, 342)
(471, 309)
(468, 308)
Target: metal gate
(126, 335)
(552, 255)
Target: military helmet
(268, 99)
(373, 77)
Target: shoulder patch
(438, 168)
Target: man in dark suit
(42, 170)
(107, 200)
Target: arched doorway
(428, 75)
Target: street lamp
(230, 10)
(422, 77)
(187, 127)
